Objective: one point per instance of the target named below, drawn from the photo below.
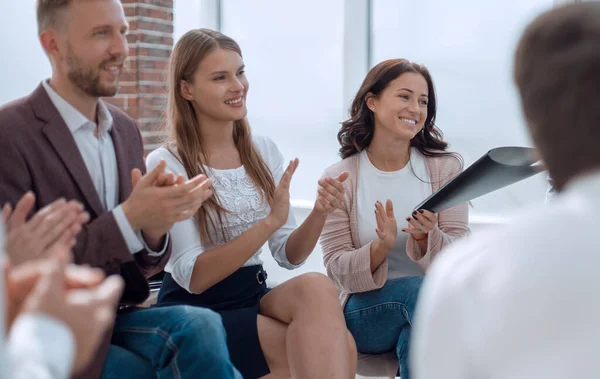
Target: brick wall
(143, 83)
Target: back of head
(557, 72)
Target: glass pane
(24, 63)
(186, 17)
(468, 46)
(293, 54)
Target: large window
(305, 58)
(468, 46)
(24, 63)
(186, 17)
(293, 52)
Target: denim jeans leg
(381, 320)
(402, 351)
(123, 364)
(180, 342)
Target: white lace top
(238, 194)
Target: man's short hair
(49, 13)
(557, 72)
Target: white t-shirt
(38, 347)
(406, 188)
(241, 197)
(518, 302)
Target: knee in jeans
(202, 323)
(409, 287)
(315, 285)
(415, 285)
(203, 337)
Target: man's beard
(87, 79)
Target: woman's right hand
(387, 230)
(280, 206)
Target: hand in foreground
(88, 312)
(50, 231)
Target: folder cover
(496, 169)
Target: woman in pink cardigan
(395, 157)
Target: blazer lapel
(62, 141)
(124, 173)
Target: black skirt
(237, 299)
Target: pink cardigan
(348, 264)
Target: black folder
(496, 169)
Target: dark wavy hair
(357, 132)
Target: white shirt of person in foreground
(518, 302)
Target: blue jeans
(169, 342)
(381, 320)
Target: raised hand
(280, 206)
(387, 230)
(420, 223)
(50, 231)
(20, 281)
(88, 313)
(154, 205)
(169, 179)
(330, 194)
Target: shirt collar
(73, 118)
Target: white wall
(24, 63)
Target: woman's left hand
(420, 223)
(330, 194)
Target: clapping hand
(420, 223)
(50, 231)
(330, 194)
(387, 229)
(280, 206)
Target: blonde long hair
(184, 130)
